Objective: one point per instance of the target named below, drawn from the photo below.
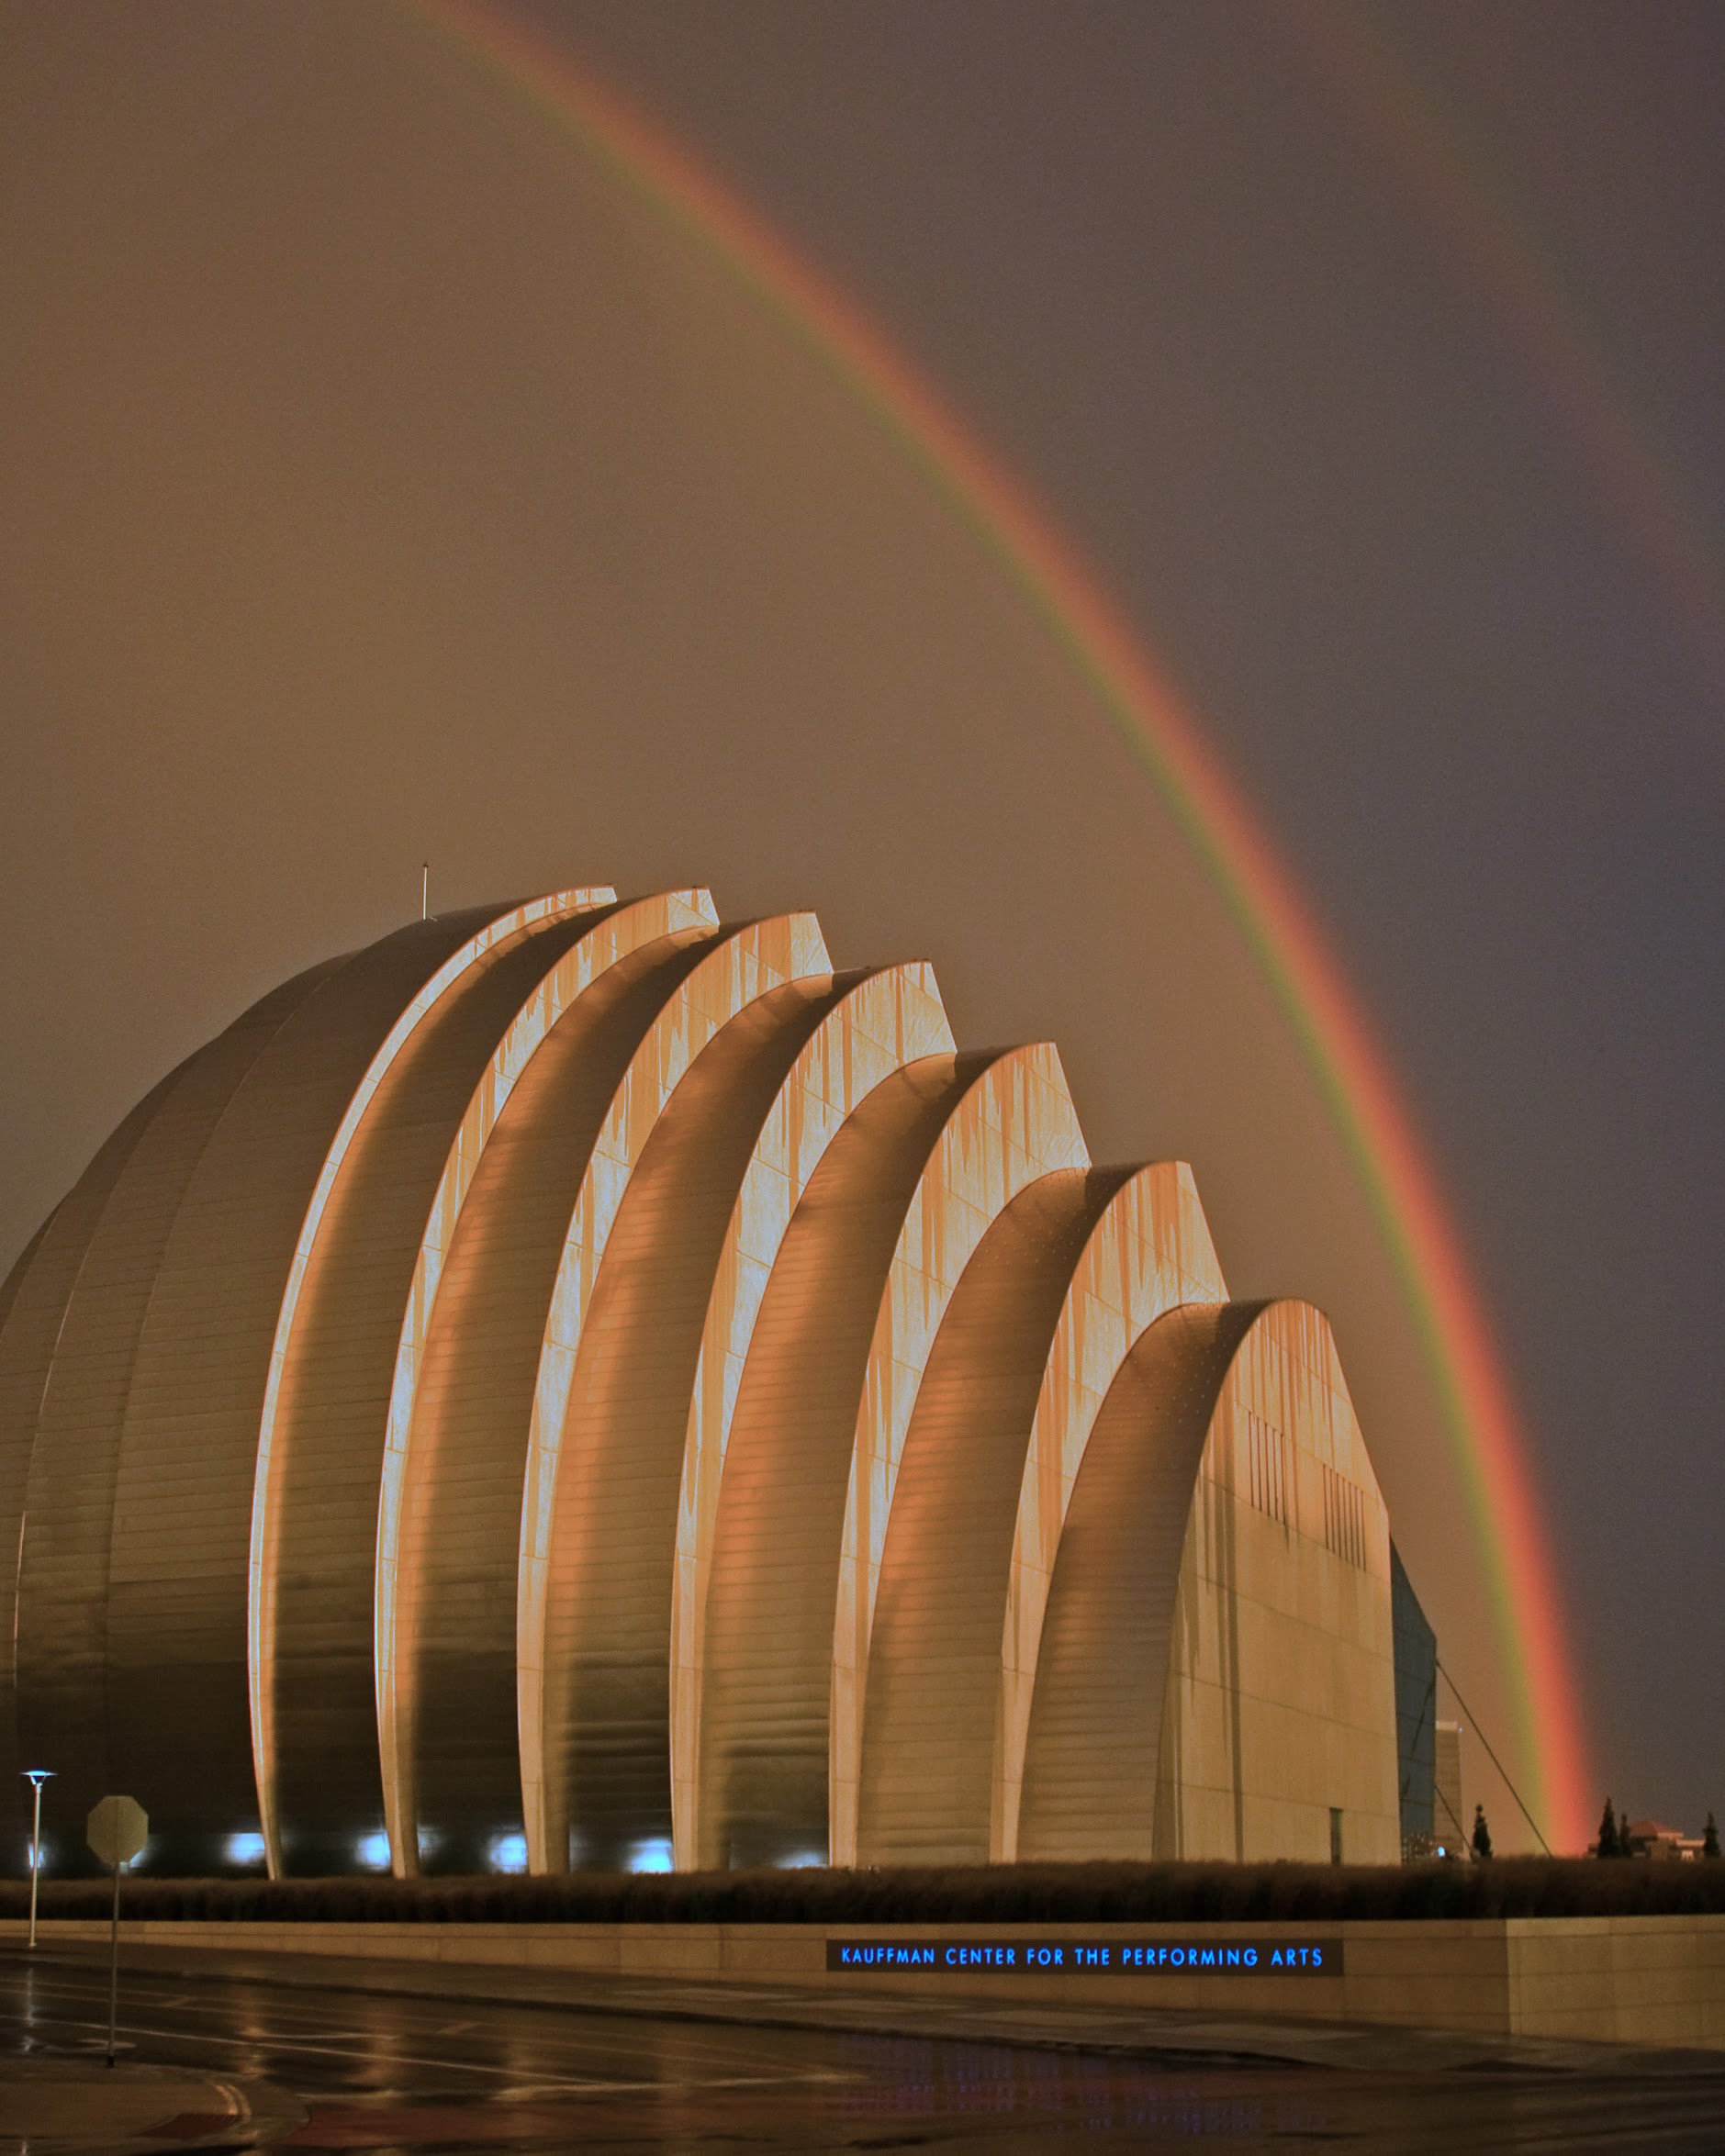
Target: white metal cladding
(586, 1384)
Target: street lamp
(35, 1776)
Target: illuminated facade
(578, 1383)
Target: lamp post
(35, 1776)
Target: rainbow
(1349, 1067)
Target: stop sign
(116, 1829)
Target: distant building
(1450, 1811)
(1651, 1837)
(578, 1384)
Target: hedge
(1027, 1893)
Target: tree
(1710, 1840)
(1609, 1845)
(1481, 1834)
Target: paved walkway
(389, 2061)
(1172, 2037)
(63, 2103)
(56, 2105)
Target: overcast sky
(381, 479)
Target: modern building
(578, 1383)
(1415, 1712)
(1449, 1823)
(1663, 1843)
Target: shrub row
(1028, 1893)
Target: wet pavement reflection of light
(417, 2074)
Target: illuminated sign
(1081, 1957)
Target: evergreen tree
(1481, 1834)
(1710, 1840)
(1609, 1845)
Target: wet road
(375, 2071)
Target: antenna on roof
(425, 891)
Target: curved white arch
(1017, 1124)
(890, 1018)
(497, 935)
(745, 964)
(1151, 1253)
(670, 919)
(882, 1231)
(1217, 1672)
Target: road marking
(681, 2085)
(554, 2035)
(689, 2049)
(383, 2056)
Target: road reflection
(417, 2074)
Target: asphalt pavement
(245, 2051)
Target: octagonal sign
(116, 1829)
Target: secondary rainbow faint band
(1532, 287)
(1351, 1068)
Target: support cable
(1491, 1755)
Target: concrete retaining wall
(1651, 1980)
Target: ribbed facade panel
(743, 966)
(887, 1022)
(449, 1520)
(74, 1458)
(39, 1289)
(929, 1735)
(1151, 1253)
(315, 1711)
(1096, 1713)
(607, 1632)
(180, 1608)
(578, 1383)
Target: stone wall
(1647, 1980)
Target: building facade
(1415, 1712)
(584, 1384)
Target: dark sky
(381, 480)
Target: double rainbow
(1485, 1438)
